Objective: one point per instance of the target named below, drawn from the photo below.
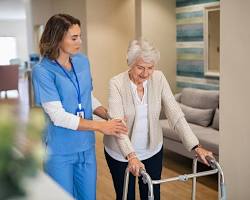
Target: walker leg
(125, 185)
(194, 179)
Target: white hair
(142, 49)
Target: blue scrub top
(51, 84)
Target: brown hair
(53, 34)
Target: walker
(216, 168)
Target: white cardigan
(121, 105)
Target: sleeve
(44, 86)
(115, 101)
(116, 112)
(186, 134)
(176, 117)
(172, 109)
(59, 116)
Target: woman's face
(141, 71)
(71, 42)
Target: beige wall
(76, 8)
(159, 27)
(110, 27)
(235, 97)
(107, 28)
(41, 11)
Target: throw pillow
(197, 98)
(197, 116)
(215, 123)
(177, 97)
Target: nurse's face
(71, 42)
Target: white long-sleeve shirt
(64, 119)
(140, 132)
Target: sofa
(201, 110)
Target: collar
(134, 86)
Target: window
(8, 49)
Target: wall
(29, 25)
(41, 11)
(107, 28)
(76, 8)
(190, 45)
(110, 27)
(16, 28)
(159, 27)
(235, 97)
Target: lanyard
(77, 87)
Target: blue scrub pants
(76, 173)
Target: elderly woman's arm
(116, 111)
(183, 129)
(179, 123)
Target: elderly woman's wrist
(196, 147)
(131, 156)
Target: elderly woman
(138, 96)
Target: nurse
(63, 88)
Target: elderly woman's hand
(134, 165)
(202, 153)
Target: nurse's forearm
(61, 118)
(111, 127)
(90, 125)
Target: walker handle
(211, 161)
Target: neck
(63, 59)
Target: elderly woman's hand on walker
(134, 164)
(203, 153)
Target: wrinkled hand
(202, 153)
(134, 166)
(113, 127)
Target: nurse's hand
(113, 127)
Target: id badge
(80, 112)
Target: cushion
(207, 136)
(197, 98)
(215, 123)
(168, 131)
(177, 97)
(197, 116)
(162, 113)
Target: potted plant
(20, 150)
